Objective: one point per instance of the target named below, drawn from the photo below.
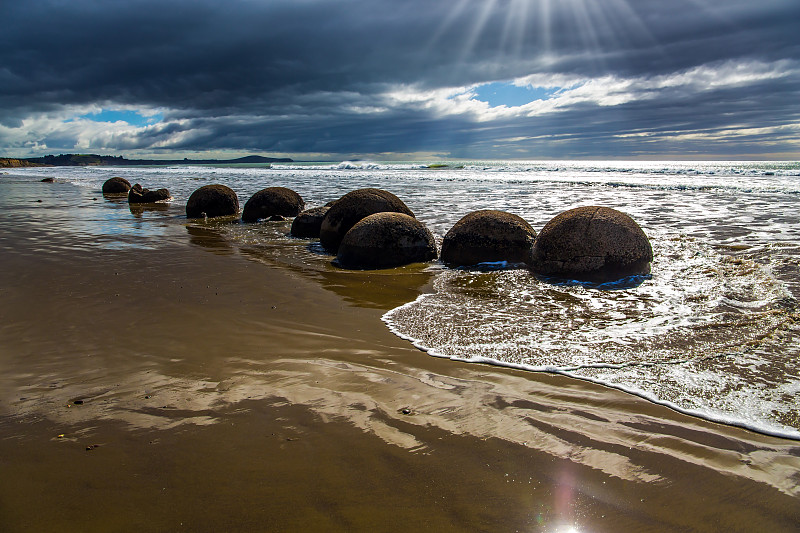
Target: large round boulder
(270, 202)
(592, 244)
(351, 208)
(212, 201)
(488, 236)
(386, 240)
(116, 186)
(139, 195)
(306, 225)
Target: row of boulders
(373, 228)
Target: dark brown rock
(488, 236)
(270, 202)
(139, 195)
(116, 185)
(212, 201)
(48, 180)
(307, 224)
(591, 244)
(351, 208)
(386, 240)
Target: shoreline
(694, 413)
(230, 391)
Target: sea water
(713, 331)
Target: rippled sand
(158, 376)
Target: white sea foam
(685, 338)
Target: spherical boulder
(138, 195)
(116, 186)
(351, 208)
(307, 224)
(270, 202)
(212, 201)
(488, 236)
(591, 244)
(386, 240)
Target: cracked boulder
(386, 240)
(591, 244)
(139, 195)
(488, 236)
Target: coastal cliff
(6, 162)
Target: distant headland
(90, 160)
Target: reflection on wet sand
(269, 243)
(614, 436)
(138, 210)
(209, 238)
(259, 390)
(233, 331)
(116, 198)
(377, 289)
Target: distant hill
(86, 160)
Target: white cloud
(67, 129)
(605, 91)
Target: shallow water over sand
(712, 332)
(223, 366)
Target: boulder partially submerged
(592, 244)
(307, 224)
(212, 201)
(139, 195)
(351, 208)
(488, 236)
(116, 185)
(272, 202)
(386, 240)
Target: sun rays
(534, 33)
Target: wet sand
(183, 382)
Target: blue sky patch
(505, 93)
(134, 118)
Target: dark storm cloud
(321, 75)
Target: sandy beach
(602, 333)
(186, 383)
